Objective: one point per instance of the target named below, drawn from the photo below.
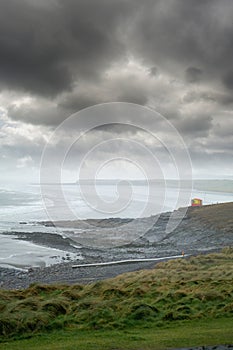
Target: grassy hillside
(219, 216)
(187, 291)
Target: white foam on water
(22, 254)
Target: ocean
(24, 206)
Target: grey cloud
(208, 159)
(72, 54)
(75, 102)
(30, 52)
(153, 71)
(38, 113)
(198, 127)
(228, 79)
(53, 44)
(121, 130)
(224, 131)
(44, 49)
(123, 91)
(180, 34)
(221, 98)
(135, 95)
(193, 74)
(127, 89)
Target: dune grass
(177, 294)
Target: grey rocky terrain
(201, 230)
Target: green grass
(178, 303)
(182, 333)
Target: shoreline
(64, 273)
(202, 230)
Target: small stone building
(196, 202)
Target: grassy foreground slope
(179, 303)
(178, 335)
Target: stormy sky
(58, 57)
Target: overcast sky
(58, 57)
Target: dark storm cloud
(58, 57)
(123, 91)
(63, 50)
(76, 102)
(31, 57)
(179, 34)
(193, 74)
(228, 79)
(44, 49)
(47, 46)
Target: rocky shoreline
(200, 231)
(65, 274)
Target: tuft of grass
(55, 306)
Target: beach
(65, 274)
(201, 230)
(34, 235)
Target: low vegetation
(194, 289)
(218, 216)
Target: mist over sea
(22, 208)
